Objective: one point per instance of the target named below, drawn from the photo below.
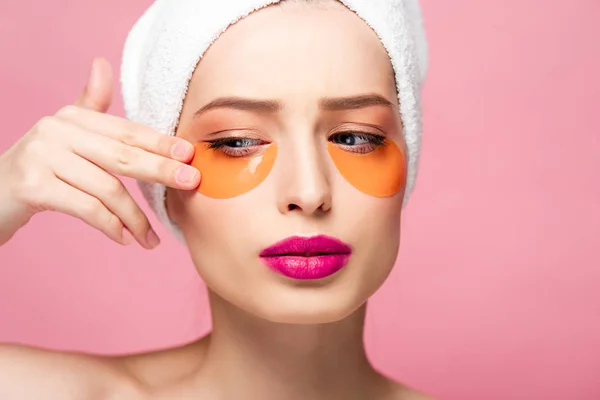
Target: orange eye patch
(225, 176)
(380, 173)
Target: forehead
(295, 51)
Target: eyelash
(372, 141)
(228, 145)
(242, 147)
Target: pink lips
(305, 258)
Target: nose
(304, 184)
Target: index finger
(129, 133)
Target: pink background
(496, 294)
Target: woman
(286, 177)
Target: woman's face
(302, 101)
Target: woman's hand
(66, 163)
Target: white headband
(164, 46)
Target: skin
(273, 338)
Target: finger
(122, 159)
(130, 133)
(64, 198)
(98, 91)
(91, 179)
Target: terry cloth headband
(165, 45)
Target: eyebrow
(326, 103)
(239, 103)
(353, 102)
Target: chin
(304, 317)
(306, 306)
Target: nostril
(292, 207)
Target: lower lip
(305, 268)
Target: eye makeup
(357, 142)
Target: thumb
(97, 94)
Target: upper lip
(307, 247)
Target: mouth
(305, 254)
(307, 258)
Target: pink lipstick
(306, 258)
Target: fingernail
(127, 237)
(186, 174)
(152, 238)
(180, 149)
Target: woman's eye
(236, 147)
(357, 142)
(235, 143)
(349, 139)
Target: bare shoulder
(28, 373)
(162, 368)
(31, 373)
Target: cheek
(368, 220)
(224, 176)
(215, 225)
(380, 173)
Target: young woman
(286, 177)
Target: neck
(248, 357)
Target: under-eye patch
(379, 173)
(225, 176)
